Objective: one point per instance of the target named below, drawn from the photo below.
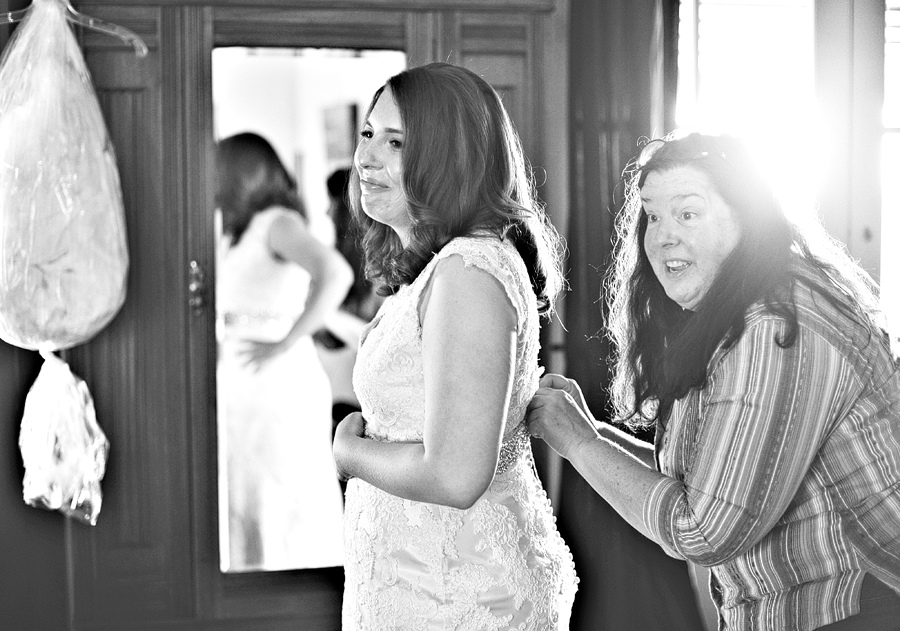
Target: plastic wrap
(63, 252)
(63, 447)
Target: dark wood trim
(422, 37)
(376, 29)
(197, 111)
(361, 5)
(307, 599)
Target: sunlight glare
(762, 94)
(890, 225)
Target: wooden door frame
(311, 597)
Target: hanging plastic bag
(63, 252)
(62, 230)
(63, 447)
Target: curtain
(623, 56)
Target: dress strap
(499, 258)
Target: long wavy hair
(464, 173)
(251, 178)
(663, 351)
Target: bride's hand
(352, 428)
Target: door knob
(196, 288)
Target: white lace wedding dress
(499, 565)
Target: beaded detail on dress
(499, 565)
(513, 447)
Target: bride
(446, 524)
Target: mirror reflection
(290, 297)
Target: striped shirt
(783, 473)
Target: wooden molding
(362, 5)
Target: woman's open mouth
(676, 266)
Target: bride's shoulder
(479, 247)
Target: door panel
(135, 563)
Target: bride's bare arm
(468, 352)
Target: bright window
(746, 67)
(890, 168)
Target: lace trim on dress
(497, 260)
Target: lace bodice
(410, 565)
(388, 377)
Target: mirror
(280, 502)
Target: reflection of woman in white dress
(447, 525)
(276, 284)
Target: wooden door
(137, 563)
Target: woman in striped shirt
(757, 351)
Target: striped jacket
(784, 471)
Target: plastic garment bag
(63, 252)
(64, 256)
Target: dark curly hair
(663, 351)
(464, 173)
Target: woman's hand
(254, 354)
(352, 428)
(570, 386)
(559, 415)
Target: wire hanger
(130, 37)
